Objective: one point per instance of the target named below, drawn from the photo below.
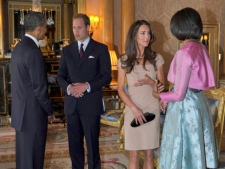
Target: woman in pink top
(188, 140)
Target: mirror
(16, 29)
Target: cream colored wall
(93, 8)
(104, 10)
(159, 13)
(117, 27)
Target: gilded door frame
(2, 91)
(1, 32)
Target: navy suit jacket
(31, 103)
(94, 68)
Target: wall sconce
(205, 40)
(114, 60)
(36, 6)
(94, 23)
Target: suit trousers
(78, 127)
(30, 149)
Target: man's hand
(77, 89)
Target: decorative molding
(69, 1)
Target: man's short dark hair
(186, 24)
(33, 19)
(84, 17)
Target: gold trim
(54, 67)
(218, 94)
(118, 123)
(213, 47)
(1, 31)
(4, 89)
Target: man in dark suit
(84, 69)
(31, 104)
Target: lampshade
(114, 59)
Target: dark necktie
(81, 50)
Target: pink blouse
(190, 68)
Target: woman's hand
(162, 106)
(145, 81)
(138, 115)
(160, 86)
(157, 88)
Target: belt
(194, 90)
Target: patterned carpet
(57, 155)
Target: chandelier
(48, 16)
(36, 6)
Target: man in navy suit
(84, 69)
(31, 103)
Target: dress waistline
(195, 90)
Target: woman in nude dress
(140, 67)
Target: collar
(33, 38)
(84, 42)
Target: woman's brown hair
(131, 47)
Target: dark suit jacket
(94, 68)
(30, 99)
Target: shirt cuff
(89, 87)
(67, 89)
